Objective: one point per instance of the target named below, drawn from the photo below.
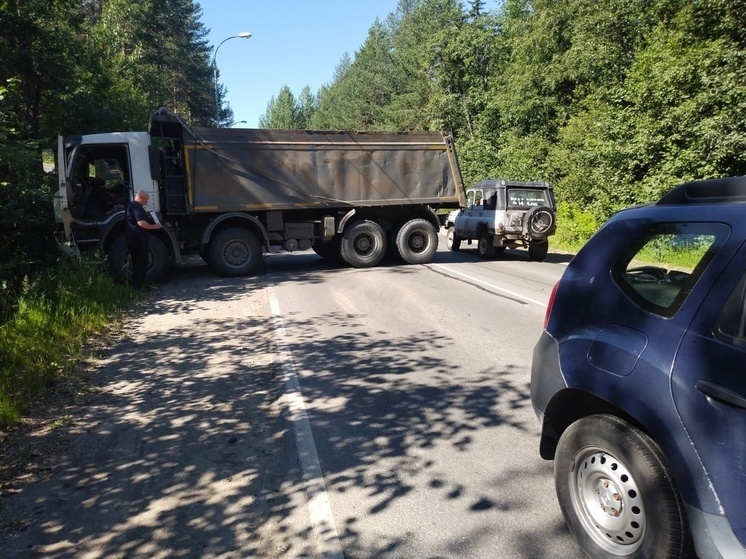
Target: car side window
(661, 266)
(730, 326)
(490, 199)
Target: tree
(282, 112)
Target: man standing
(138, 224)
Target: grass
(45, 336)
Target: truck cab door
(64, 190)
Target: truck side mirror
(154, 158)
(47, 161)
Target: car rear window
(526, 198)
(661, 266)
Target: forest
(612, 102)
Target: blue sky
(294, 43)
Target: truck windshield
(526, 198)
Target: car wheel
(329, 250)
(485, 248)
(363, 244)
(538, 251)
(453, 241)
(617, 494)
(539, 221)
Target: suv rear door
(709, 389)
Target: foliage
(55, 314)
(613, 103)
(574, 227)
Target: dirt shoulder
(170, 441)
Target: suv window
(731, 324)
(525, 198)
(660, 267)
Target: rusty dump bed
(229, 169)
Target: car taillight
(550, 304)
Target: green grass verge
(54, 316)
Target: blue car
(639, 380)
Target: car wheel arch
(568, 406)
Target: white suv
(501, 214)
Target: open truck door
(64, 191)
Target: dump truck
(232, 195)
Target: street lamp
(242, 35)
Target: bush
(54, 316)
(574, 226)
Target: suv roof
(503, 183)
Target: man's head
(142, 197)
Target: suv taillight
(550, 304)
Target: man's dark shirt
(135, 213)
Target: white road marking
(320, 511)
(492, 286)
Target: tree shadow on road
(188, 451)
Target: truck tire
(234, 252)
(363, 244)
(453, 241)
(417, 241)
(119, 259)
(485, 248)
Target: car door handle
(721, 393)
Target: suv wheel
(539, 221)
(485, 248)
(453, 241)
(616, 492)
(538, 251)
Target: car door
(709, 390)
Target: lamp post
(242, 35)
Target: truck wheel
(538, 251)
(417, 241)
(363, 244)
(453, 241)
(120, 264)
(234, 252)
(485, 248)
(616, 492)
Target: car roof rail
(712, 191)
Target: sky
(294, 43)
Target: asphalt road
(311, 411)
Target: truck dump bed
(230, 169)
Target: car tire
(539, 221)
(453, 241)
(485, 248)
(329, 250)
(363, 244)
(538, 251)
(617, 494)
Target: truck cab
(98, 175)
